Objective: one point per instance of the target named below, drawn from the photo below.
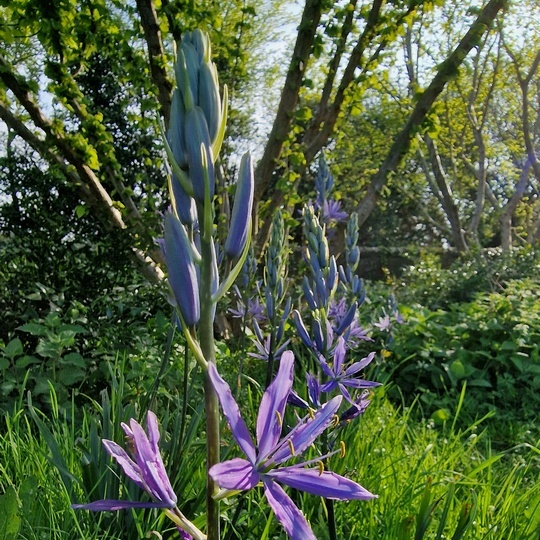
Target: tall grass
(433, 482)
(439, 482)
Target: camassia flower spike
(144, 467)
(264, 460)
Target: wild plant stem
(332, 532)
(206, 338)
(270, 365)
(331, 519)
(185, 393)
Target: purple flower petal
(153, 439)
(339, 355)
(130, 468)
(314, 389)
(158, 483)
(290, 517)
(325, 484)
(146, 469)
(153, 431)
(304, 434)
(183, 534)
(296, 401)
(232, 413)
(236, 473)
(326, 368)
(144, 451)
(359, 383)
(272, 407)
(329, 385)
(357, 366)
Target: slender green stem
(270, 365)
(206, 338)
(185, 394)
(331, 519)
(332, 531)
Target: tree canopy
(429, 111)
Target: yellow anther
(311, 413)
(335, 421)
(130, 443)
(279, 418)
(321, 467)
(343, 450)
(291, 447)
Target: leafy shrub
(491, 343)
(435, 285)
(71, 344)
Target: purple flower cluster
(263, 462)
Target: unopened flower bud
(241, 214)
(175, 135)
(182, 270)
(183, 204)
(201, 168)
(308, 294)
(347, 320)
(318, 336)
(300, 327)
(208, 99)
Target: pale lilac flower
(384, 323)
(356, 333)
(263, 349)
(253, 310)
(145, 467)
(341, 377)
(240, 311)
(264, 460)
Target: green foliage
(68, 344)
(54, 360)
(435, 483)
(10, 521)
(490, 345)
(435, 285)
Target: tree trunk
(449, 206)
(447, 71)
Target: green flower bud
(241, 214)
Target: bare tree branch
(289, 98)
(447, 70)
(156, 52)
(145, 264)
(336, 59)
(82, 176)
(450, 208)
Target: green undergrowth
(432, 481)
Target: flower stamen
(291, 447)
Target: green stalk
(332, 531)
(206, 338)
(270, 365)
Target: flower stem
(332, 531)
(206, 338)
(331, 519)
